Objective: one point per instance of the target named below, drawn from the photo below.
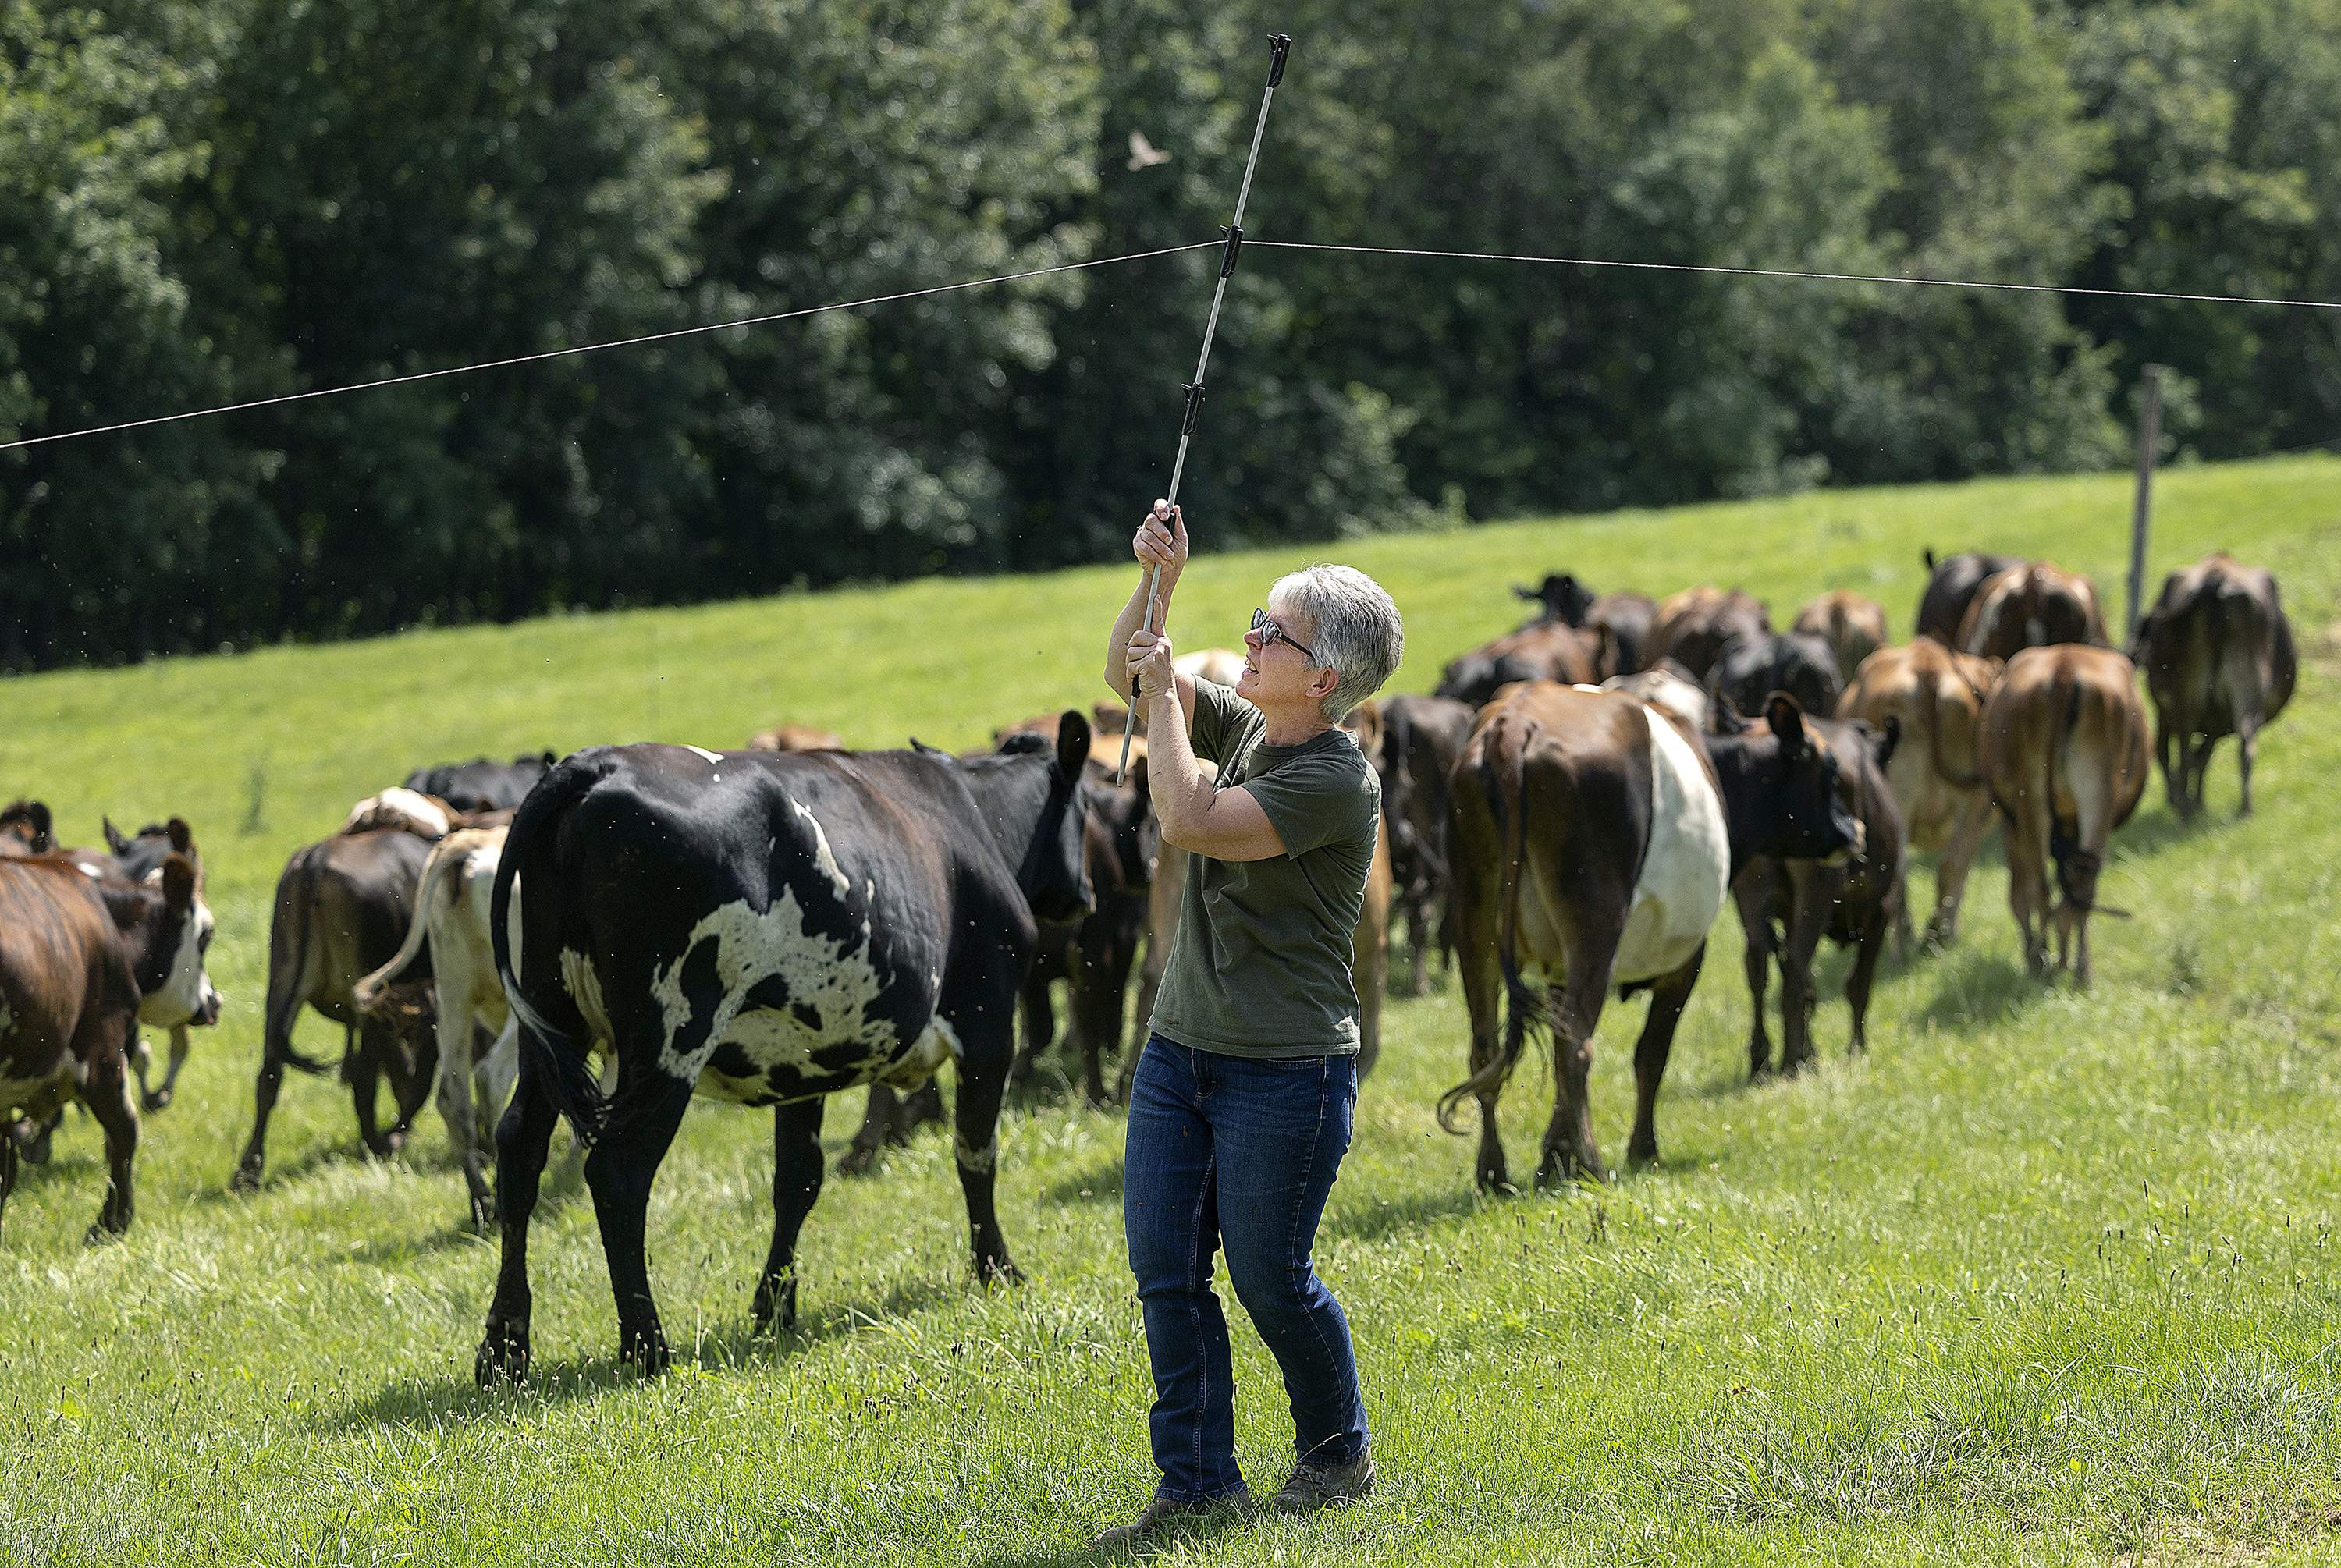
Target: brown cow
(1853, 627)
(796, 737)
(1593, 838)
(1936, 698)
(1785, 906)
(1540, 650)
(1952, 584)
(2218, 659)
(83, 961)
(343, 906)
(1422, 738)
(2064, 750)
(2034, 605)
(1694, 626)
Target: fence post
(2150, 439)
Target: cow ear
(1788, 722)
(114, 838)
(1072, 743)
(181, 837)
(1888, 739)
(178, 884)
(1520, 592)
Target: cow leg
(975, 1144)
(523, 1138)
(456, 1102)
(1857, 983)
(7, 1172)
(797, 1164)
(412, 1069)
(365, 1074)
(2027, 884)
(1667, 999)
(2170, 749)
(641, 1124)
(1039, 1021)
(922, 1108)
(1808, 912)
(155, 1099)
(107, 1096)
(1569, 1151)
(1484, 999)
(874, 1134)
(1748, 892)
(2247, 750)
(1098, 987)
(275, 1054)
(1951, 870)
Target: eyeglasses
(1269, 631)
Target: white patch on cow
(584, 988)
(939, 1045)
(829, 977)
(1688, 870)
(186, 988)
(95, 873)
(703, 751)
(824, 859)
(399, 806)
(972, 1159)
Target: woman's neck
(1286, 727)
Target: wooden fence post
(2150, 438)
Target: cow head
(172, 928)
(26, 828)
(1041, 784)
(1564, 598)
(1784, 792)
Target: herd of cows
(603, 936)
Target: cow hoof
(155, 1099)
(775, 1307)
(644, 1349)
(102, 1232)
(857, 1160)
(245, 1180)
(1640, 1156)
(997, 1269)
(503, 1355)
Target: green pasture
(2046, 1276)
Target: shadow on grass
(1976, 990)
(1214, 1527)
(434, 1402)
(1098, 1184)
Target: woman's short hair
(1356, 634)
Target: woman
(1241, 1110)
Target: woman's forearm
(1128, 624)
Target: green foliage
(251, 198)
(2046, 1276)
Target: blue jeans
(1229, 1151)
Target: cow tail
(288, 961)
(557, 1059)
(1397, 742)
(368, 991)
(1525, 1011)
(2065, 848)
(1932, 702)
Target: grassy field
(2046, 1276)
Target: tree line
(203, 203)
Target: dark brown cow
(344, 906)
(1693, 626)
(26, 828)
(1625, 616)
(1563, 597)
(2034, 605)
(83, 961)
(1786, 907)
(2064, 750)
(1952, 586)
(796, 737)
(1752, 667)
(1542, 650)
(1853, 627)
(1934, 697)
(2218, 659)
(1594, 837)
(1422, 740)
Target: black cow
(1752, 667)
(768, 928)
(1626, 618)
(481, 785)
(1422, 739)
(343, 908)
(1785, 906)
(26, 828)
(2219, 660)
(1952, 584)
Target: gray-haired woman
(1241, 1110)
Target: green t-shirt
(1260, 965)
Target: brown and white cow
(451, 916)
(1594, 837)
(1952, 584)
(1935, 695)
(1540, 650)
(1786, 907)
(2218, 659)
(1853, 627)
(344, 906)
(2034, 605)
(1693, 626)
(796, 737)
(1667, 687)
(2064, 751)
(83, 961)
(1422, 740)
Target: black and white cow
(766, 927)
(481, 785)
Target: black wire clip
(1277, 42)
(1194, 406)
(1234, 231)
